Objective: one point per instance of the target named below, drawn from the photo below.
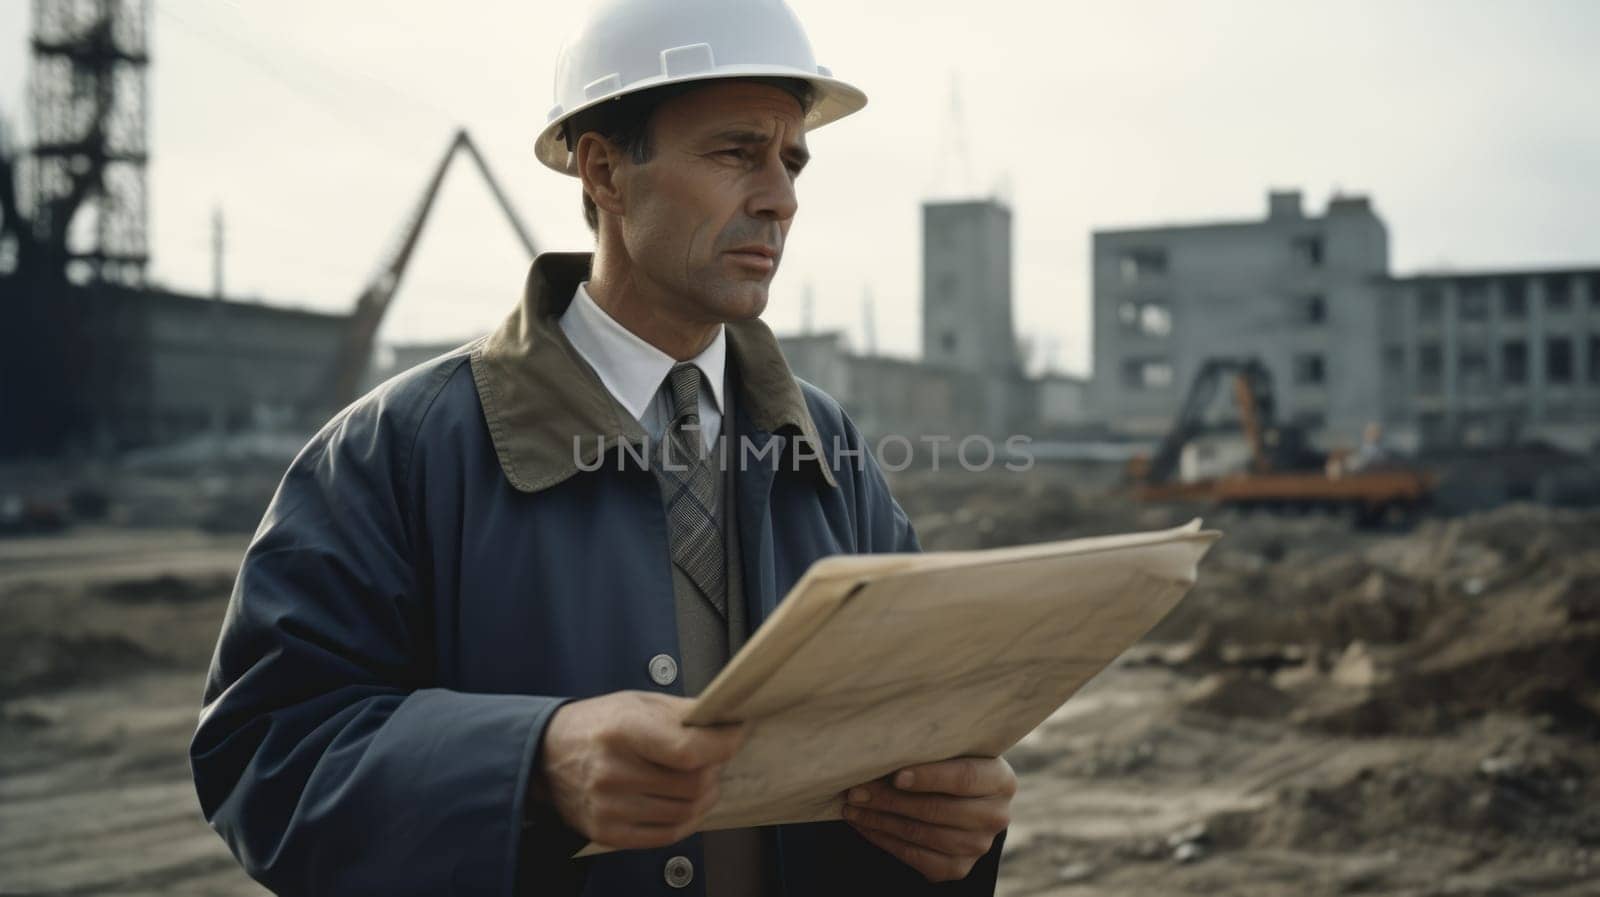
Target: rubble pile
(1413, 634)
(1473, 644)
(955, 510)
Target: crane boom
(355, 351)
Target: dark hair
(625, 122)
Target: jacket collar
(538, 394)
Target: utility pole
(216, 252)
(869, 322)
(806, 308)
(222, 390)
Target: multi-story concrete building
(1441, 359)
(1298, 292)
(1492, 357)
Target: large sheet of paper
(876, 662)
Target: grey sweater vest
(736, 861)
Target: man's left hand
(938, 818)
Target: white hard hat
(625, 46)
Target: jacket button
(663, 669)
(679, 872)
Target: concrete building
(966, 303)
(1299, 292)
(821, 358)
(1441, 359)
(1492, 357)
(966, 286)
(1060, 403)
(143, 367)
(391, 359)
(887, 396)
(188, 364)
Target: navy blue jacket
(438, 572)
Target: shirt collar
(631, 368)
(538, 393)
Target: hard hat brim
(834, 100)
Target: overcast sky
(1473, 126)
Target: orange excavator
(1256, 462)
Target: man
(462, 641)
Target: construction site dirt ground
(1329, 712)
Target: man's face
(705, 219)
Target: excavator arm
(1252, 390)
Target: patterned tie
(692, 512)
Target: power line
(347, 108)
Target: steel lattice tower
(85, 185)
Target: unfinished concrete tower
(966, 302)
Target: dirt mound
(61, 634)
(1236, 695)
(1536, 796)
(1554, 676)
(40, 662)
(956, 509)
(1409, 635)
(1518, 630)
(167, 587)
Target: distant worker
(463, 638)
(1371, 453)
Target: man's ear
(597, 168)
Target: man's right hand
(624, 771)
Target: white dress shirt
(633, 370)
